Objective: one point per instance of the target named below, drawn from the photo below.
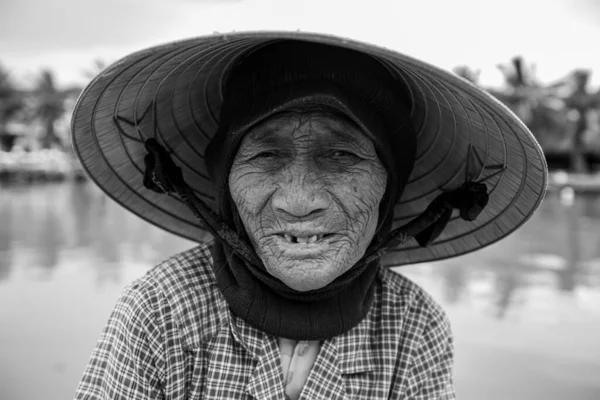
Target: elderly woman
(315, 163)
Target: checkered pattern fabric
(172, 336)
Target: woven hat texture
(173, 92)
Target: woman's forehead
(285, 128)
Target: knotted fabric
(163, 176)
(469, 199)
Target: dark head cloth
(288, 75)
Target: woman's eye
(266, 154)
(342, 154)
(267, 159)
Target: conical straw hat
(173, 92)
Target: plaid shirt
(172, 336)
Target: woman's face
(307, 188)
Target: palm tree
(49, 107)
(98, 65)
(467, 73)
(537, 105)
(581, 101)
(11, 104)
(520, 89)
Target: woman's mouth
(303, 246)
(304, 239)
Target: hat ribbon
(469, 199)
(163, 176)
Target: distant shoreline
(557, 180)
(580, 183)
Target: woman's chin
(306, 276)
(305, 286)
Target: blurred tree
(48, 107)
(581, 101)
(467, 73)
(521, 88)
(11, 103)
(98, 65)
(537, 105)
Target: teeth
(302, 239)
(298, 239)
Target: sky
(68, 35)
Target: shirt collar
(249, 337)
(354, 349)
(266, 380)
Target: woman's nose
(301, 194)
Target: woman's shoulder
(182, 290)
(410, 299)
(189, 269)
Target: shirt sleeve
(431, 373)
(123, 364)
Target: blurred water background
(525, 312)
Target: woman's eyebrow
(266, 137)
(346, 138)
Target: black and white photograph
(299, 200)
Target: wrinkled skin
(303, 174)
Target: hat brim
(173, 92)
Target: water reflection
(47, 224)
(558, 249)
(66, 251)
(6, 230)
(44, 224)
(455, 279)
